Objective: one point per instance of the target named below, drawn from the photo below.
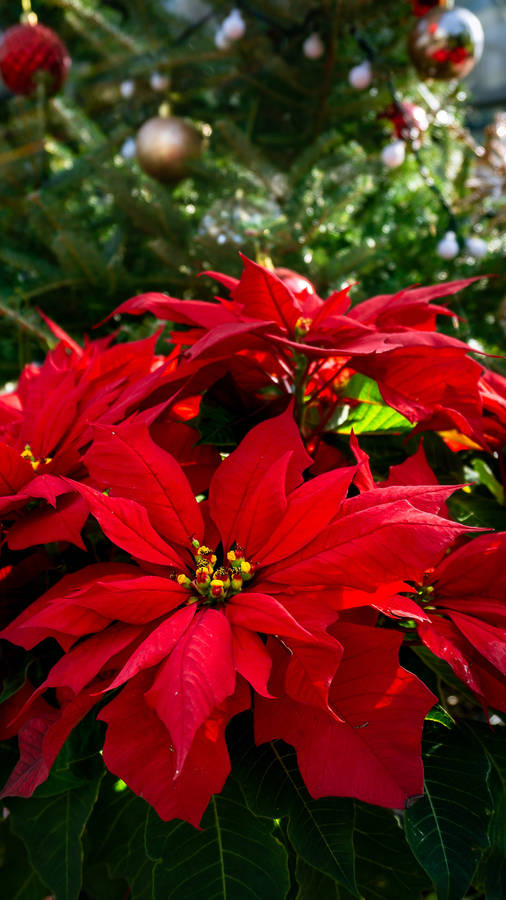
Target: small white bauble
(360, 76)
(476, 246)
(129, 148)
(448, 247)
(234, 26)
(221, 41)
(313, 47)
(158, 82)
(127, 89)
(393, 154)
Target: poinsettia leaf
(321, 831)
(447, 827)
(492, 870)
(313, 883)
(371, 414)
(473, 509)
(14, 679)
(19, 879)
(386, 867)
(233, 857)
(115, 838)
(52, 827)
(98, 884)
(439, 714)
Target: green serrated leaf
(439, 714)
(18, 879)
(492, 870)
(234, 857)
(447, 828)
(488, 478)
(386, 867)
(314, 884)
(371, 414)
(51, 829)
(115, 838)
(473, 509)
(321, 831)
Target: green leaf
(115, 838)
(439, 714)
(492, 870)
(234, 857)
(488, 478)
(321, 831)
(386, 867)
(18, 879)
(447, 827)
(372, 413)
(314, 884)
(51, 828)
(471, 508)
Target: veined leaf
(234, 857)
(312, 883)
(372, 413)
(447, 827)
(18, 879)
(386, 867)
(51, 828)
(492, 870)
(115, 838)
(321, 831)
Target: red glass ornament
(25, 51)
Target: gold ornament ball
(165, 145)
(446, 43)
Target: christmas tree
(300, 113)
(253, 625)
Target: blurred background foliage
(291, 170)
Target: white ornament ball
(158, 82)
(360, 76)
(313, 47)
(476, 246)
(448, 247)
(221, 41)
(127, 89)
(393, 154)
(234, 26)
(129, 148)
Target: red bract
(187, 633)
(463, 598)
(390, 338)
(47, 422)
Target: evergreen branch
(26, 326)
(93, 17)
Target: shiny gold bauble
(446, 43)
(165, 146)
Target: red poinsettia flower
(232, 594)
(492, 388)
(463, 599)
(289, 334)
(46, 423)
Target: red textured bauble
(28, 52)
(409, 120)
